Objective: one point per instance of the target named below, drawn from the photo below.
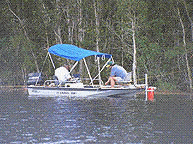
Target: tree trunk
(58, 31)
(25, 33)
(186, 55)
(134, 53)
(97, 37)
(80, 35)
(58, 35)
(191, 22)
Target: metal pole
(102, 69)
(146, 86)
(52, 61)
(99, 72)
(88, 72)
(73, 66)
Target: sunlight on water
(119, 119)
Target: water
(95, 120)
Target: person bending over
(118, 73)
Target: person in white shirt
(62, 73)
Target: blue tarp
(72, 52)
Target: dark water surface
(169, 119)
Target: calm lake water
(120, 119)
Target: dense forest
(160, 30)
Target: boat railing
(88, 79)
(49, 82)
(58, 83)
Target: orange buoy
(150, 94)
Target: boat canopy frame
(75, 53)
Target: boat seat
(76, 76)
(74, 79)
(127, 80)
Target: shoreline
(169, 93)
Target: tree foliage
(30, 27)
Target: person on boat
(62, 73)
(118, 73)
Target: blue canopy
(72, 52)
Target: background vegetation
(163, 31)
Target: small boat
(75, 87)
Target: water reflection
(94, 120)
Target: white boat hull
(43, 91)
